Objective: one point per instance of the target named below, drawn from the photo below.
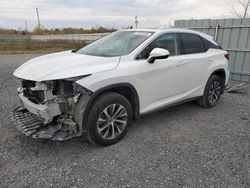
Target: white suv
(100, 89)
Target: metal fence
(14, 37)
(72, 37)
(233, 35)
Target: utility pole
(169, 25)
(26, 27)
(38, 19)
(136, 21)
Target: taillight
(227, 56)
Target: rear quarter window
(192, 43)
(210, 45)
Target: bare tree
(243, 12)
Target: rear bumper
(46, 112)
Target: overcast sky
(108, 13)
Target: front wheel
(109, 119)
(212, 92)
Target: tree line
(56, 31)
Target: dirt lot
(184, 146)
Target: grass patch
(30, 46)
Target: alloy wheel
(112, 121)
(214, 92)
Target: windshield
(116, 44)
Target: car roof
(141, 30)
(177, 30)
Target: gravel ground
(183, 146)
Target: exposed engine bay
(53, 107)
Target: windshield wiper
(74, 50)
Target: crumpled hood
(64, 65)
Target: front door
(163, 82)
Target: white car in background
(103, 87)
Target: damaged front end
(52, 109)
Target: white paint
(64, 65)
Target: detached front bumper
(51, 110)
(36, 120)
(30, 125)
(46, 112)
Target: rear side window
(192, 43)
(210, 45)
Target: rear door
(197, 59)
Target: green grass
(29, 46)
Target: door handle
(211, 59)
(181, 63)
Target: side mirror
(158, 53)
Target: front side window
(169, 41)
(192, 43)
(116, 44)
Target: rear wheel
(109, 119)
(212, 92)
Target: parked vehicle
(102, 88)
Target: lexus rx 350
(103, 87)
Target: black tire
(206, 100)
(108, 101)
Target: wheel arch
(125, 89)
(222, 74)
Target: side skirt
(171, 105)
